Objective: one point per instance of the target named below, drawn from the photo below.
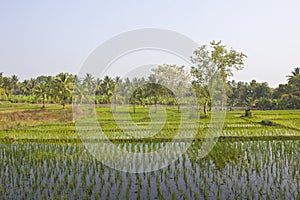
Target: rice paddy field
(253, 158)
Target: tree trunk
(155, 103)
(134, 107)
(43, 101)
(198, 108)
(65, 115)
(205, 108)
(222, 105)
(178, 107)
(115, 104)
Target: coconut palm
(2, 89)
(98, 86)
(41, 90)
(81, 92)
(2, 93)
(25, 88)
(292, 89)
(89, 83)
(7, 85)
(108, 86)
(295, 73)
(117, 89)
(291, 96)
(14, 84)
(64, 86)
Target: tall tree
(117, 88)
(174, 78)
(89, 83)
(14, 81)
(108, 86)
(232, 93)
(41, 90)
(154, 90)
(64, 86)
(2, 88)
(7, 86)
(98, 86)
(2, 93)
(211, 61)
(294, 81)
(81, 92)
(25, 88)
(136, 91)
(295, 73)
(292, 90)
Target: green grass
(28, 121)
(25, 106)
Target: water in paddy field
(232, 170)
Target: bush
(248, 113)
(267, 122)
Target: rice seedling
(250, 160)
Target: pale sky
(47, 37)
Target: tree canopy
(168, 84)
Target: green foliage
(212, 67)
(211, 63)
(28, 121)
(267, 122)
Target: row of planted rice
(232, 170)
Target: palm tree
(292, 94)
(32, 84)
(89, 83)
(117, 87)
(294, 79)
(80, 92)
(25, 88)
(108, 88)
(41, 90)
(64, 86)
(295, 73)
(14, 84)
(7, 85)
(2, 89)
(98, 86)
(126, 89)
(2, 93)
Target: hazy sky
(47, 37)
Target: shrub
(267, 122)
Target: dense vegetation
(59, 89)
(209, 62)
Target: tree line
(165, 85)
